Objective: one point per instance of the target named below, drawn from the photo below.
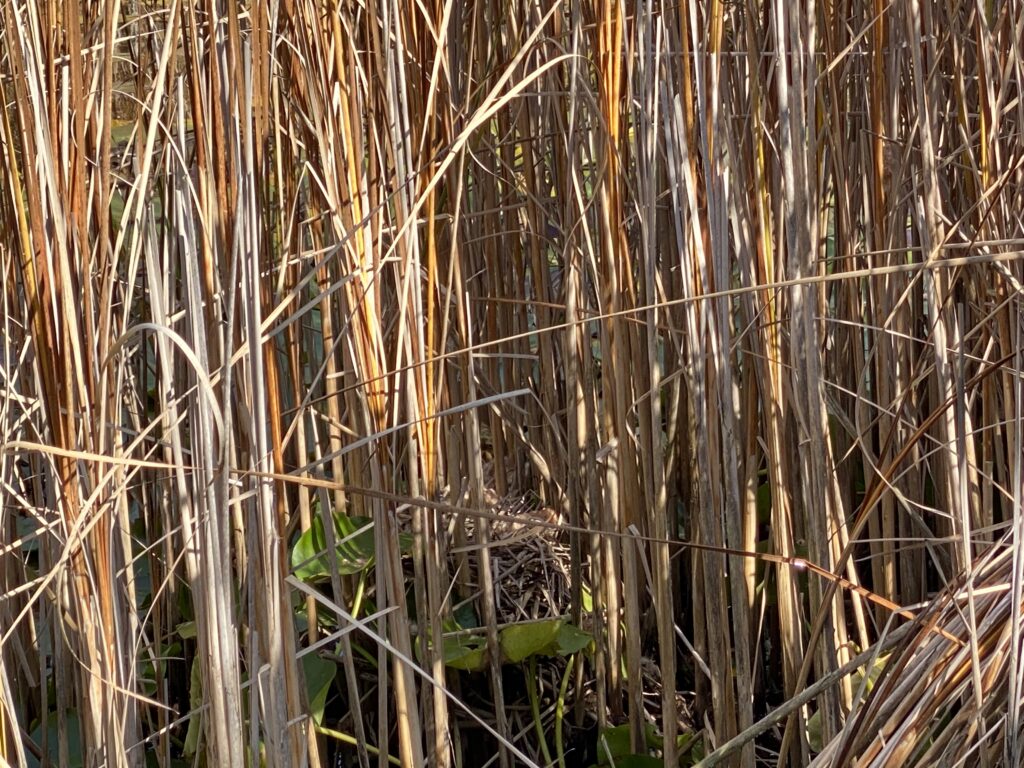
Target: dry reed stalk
(741, 274)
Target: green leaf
(572, 639)
(195, 700)
(695, 751)
(587, 599)
(685, 742)
(464, 616)
(319, 674)
(612, 744)
(74, 732)
(355, 548)
(27, 528)
(186, 630)
(542, 638)
(465, 652)
(814, 736)
(520, 641)
(614, 747)
(873, 674)
(355, 543)
(153, 668)
(143, 582)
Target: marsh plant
(572, 382)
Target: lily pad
(542, 638)
(520, 641)
(614, 748)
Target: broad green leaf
(71, 723)
(685, 742)
(355, 543)
(27, 528)
(520, 641)
(695, 752)
(542, 638)
(152, 669)
(355, 549)
(319, 675)
(814, 737)
(572, 639)
(464, 616)
(465, 653)
(612, 744)
(876, 669)
(143, 582)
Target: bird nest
(532, 580)
(530, 561)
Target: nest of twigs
(946, 695)
(530, 565)
(530, 561)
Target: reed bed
(511, 383)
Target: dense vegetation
(511, 383)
